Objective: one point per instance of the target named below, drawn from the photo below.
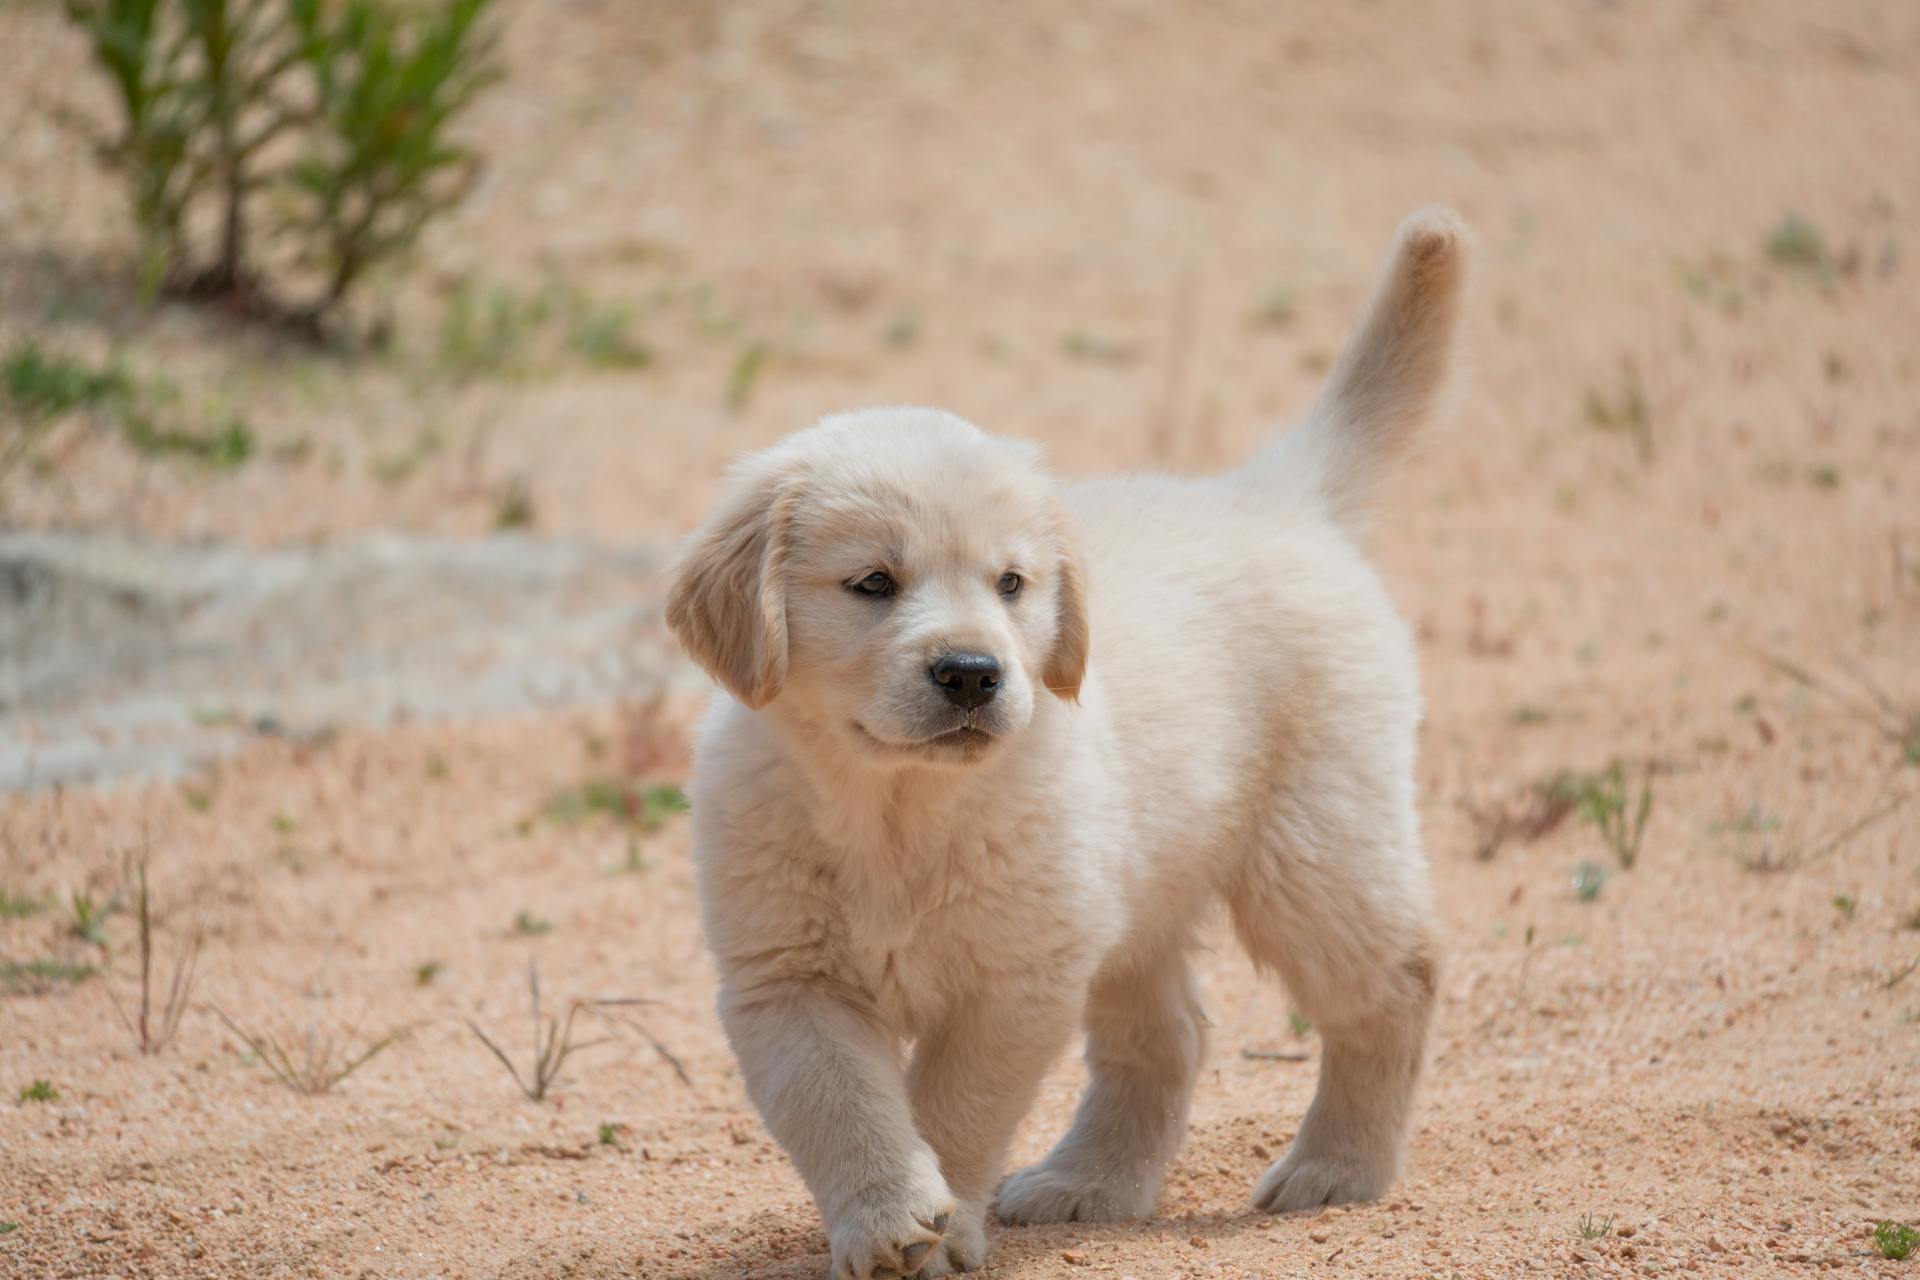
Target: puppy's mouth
(963, 742)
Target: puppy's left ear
(1073, 641)
(728, 601)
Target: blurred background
(357, 381)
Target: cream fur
(1207, 695)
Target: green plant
(152, 1029)
(1845, 904)
(1298, 1023)
(1624, 413)
(389, 80)
(1278, 310)
(530, 925)
(1796, 242)
(40, 1091)
(1588, 879)
(1896, 1241)
(425, 972)
(86, 916)
(643, 805)
(311, 1065)
(1591, 1228)
(745, 374)
(331, 116)
(515, 507)
(1604, 800)
(35, 977)
(599, 334)
(40, 388)
(17, 907)
(8, 1228)
(634, 864)
(609, 1134)
(1092, 348)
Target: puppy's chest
(922, 937)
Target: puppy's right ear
(728, 601)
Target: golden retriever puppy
(991, 744)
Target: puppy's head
(896, 578)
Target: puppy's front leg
(971, 1081)
(826, 1077)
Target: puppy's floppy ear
(1073, 642)
(728, 601)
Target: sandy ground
(1073, 228)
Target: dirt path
(1691, 442)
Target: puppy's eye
(874, 584)
(1010, 584)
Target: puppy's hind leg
(1340, 913)
(1145, 1039)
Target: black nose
(967, 679)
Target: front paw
(889, 1232)
(1058, 1192)
(964, 1249)
(1302, 1179)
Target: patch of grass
(1081, 345)
(1604, 799)
(514, 510)
(600, 335)
(745, 375)
(436, 768)
(86, 916)
(1592, 1228)
(487, 329)
(222, 448)
(199, 799)
(36, 977)
(609, 1133)
(1845, 904)
(1896, 1241)
(1277, 310)
(8, 1228)
(15, 906)
(1298, 1023)
(425, 972)
(312, 1065)
(1588, 879)
(529, 925)
(902, 330)
(40, 1091)
(633, 864)
(40, 386)
(1527, 714)
(1796, 242)
(1623, 412)
(642, 805)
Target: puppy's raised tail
(1388, 383)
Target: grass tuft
(1604, 800)
(1796, 242)
(1896, 1241)
(312, 1065)
(153, 1028)
(1588, 879)
(1592, 1228)
(40, 1091)
(641, 805)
